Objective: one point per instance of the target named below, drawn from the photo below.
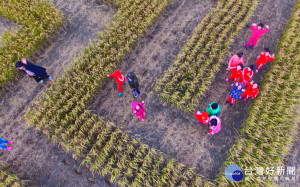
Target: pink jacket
(217, 128)
(139, 112)
(234, 61)
(257, 33)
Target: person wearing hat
(214, 125)
(213, 109)
(133, 83)
(3, 142)
(138, 109)
(258, 30)
(37, 72)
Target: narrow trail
(33, 157)
(167, 128)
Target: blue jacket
(235, 93)
(37, 70)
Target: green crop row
(271, 125)
(38, 20)
(194, 69)
(61, 111)
(9, 180)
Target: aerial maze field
(60, 110)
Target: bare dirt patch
(33, 157)
(167, 128)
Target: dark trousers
(136, 90)
(36, 78)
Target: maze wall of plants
(271, 125)
(7, 179)
(60, 112)
(38, 20)
(194, 69)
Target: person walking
(214, 125)
(258, 30)
(202, 117)
(235, 93)
(234, 61)
(3, 142)
(213, 109)
(250, 91)
(38, 73)
(133, 83)
(138, 109)
(247, 74)
(263, 58)
(120, 79)
(236, 73)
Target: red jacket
(252, 92)
(119, 77)
(262, 59)
(236, 74)
(247, 74)
(202, 117)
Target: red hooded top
(263, 58)
(252, 92)
(119, 77)
(202, 117)
(247, 74)
(236, 73)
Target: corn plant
(8, 179)
(194, 69)
(271, 125)
(38, 19)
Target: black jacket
(133, 82)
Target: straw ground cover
(9, 179)
(38, 20)
(61, 111)
(271, 125)
(195, 67)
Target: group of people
(243, 86)
(240, 75)
(138, 108)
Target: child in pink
(138, 109)
(258, 30)
(214, 125)
(234, 61)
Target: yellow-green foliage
(9, 180)
(106, 149)
(38, 19)
(194, 69)
(271, 125)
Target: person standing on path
(202, 117)
(234, 61)
(263, 58)
(120, 79)
(258, 30)
(251, 91)
(214, 125)
(37, 72)
(4, 141)
(133, 83)
(236, 73)
(213, 109)
(247, 74)
(235, 93)
(138, 109)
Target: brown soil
(166, 128)
(33, 157)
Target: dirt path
(33, 157)
(166, 128)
